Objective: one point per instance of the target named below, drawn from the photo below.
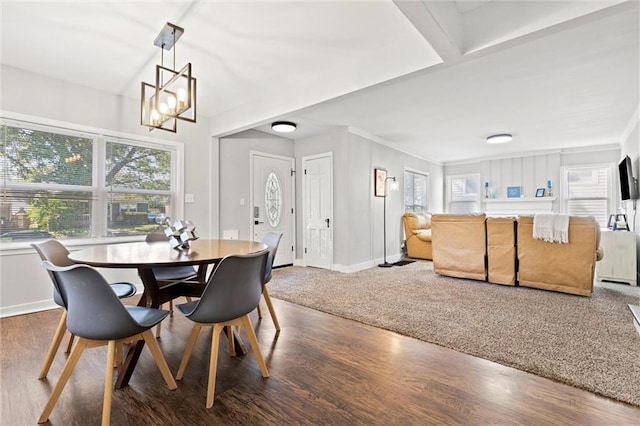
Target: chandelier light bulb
(155, 117)
(164, 108)
(172, 103)
(182, 97)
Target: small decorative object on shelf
(486, 189)
(513, 192)
(180, 234)
(549, 186)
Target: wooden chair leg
(170, 308)
(69, 343)
(187, 351)
(272, 311)
(117, 362)
(53, 347)
(62, 381)
(108, 383)
(161, 362)
(259, 311)
(230, 340)
(213, 364)
(253, 340)
(158, 329)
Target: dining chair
(272, 240)
(232, 292)
(168, 275)
(56, 253)
(88, 297)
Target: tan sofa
(568, 268)
(459, 245)
(417, 231)
(503, 251)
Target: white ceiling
(431, 78)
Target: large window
(415, 191)
(68, 184)
(588, 191)
(463, 193)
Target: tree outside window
(68, 184)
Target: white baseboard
(27, 308)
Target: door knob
(327, 220)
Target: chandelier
(173, 97)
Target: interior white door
(272, 208)
(318, 210)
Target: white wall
(532, 171)
(358, 214)
(631, 147)
(235, 173)
(24, 285)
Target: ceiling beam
(439, 23)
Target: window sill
(24, 247)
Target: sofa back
(501, 250)
(459, 245)
(568, 268)
(413, 221)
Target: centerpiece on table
(180, 234)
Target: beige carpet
(589, 343)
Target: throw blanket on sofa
(552, 227)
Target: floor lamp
(394, 186)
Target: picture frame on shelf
(379, 178)
(513, 192)
(539, 192)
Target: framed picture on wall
(513, 192)
(379, 178)
(540, 192)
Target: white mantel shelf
(518, 206)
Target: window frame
(476, 200)
(611, 190)
(427, 187)
(100, 139)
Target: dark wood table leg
(150, 299)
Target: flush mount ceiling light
(283, 126)
(499, 138)
(173, 97)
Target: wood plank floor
(323, 370)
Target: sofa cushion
(423, 234)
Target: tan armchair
(459, 245)
(417, 231)
(568, 268)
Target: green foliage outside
(43, 158)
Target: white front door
(272, 208)
(318, 210)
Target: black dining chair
(56, 253)
(232, 292)
(98, 318)
(272, 240)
